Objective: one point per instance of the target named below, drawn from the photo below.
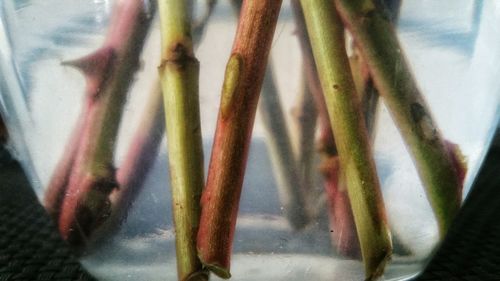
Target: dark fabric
(471, 251)
(30, 248)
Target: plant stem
(326, 35)
(137, 163)
(343, 230)
(179, 71)
(341, 218)
(282, 155)
(279, 144)
(56, 190)
(392, 76)
(242, 84)
(326, 142)
(342, 226)
(369, 105)
(143, 149)
(305, 116)
(109, 72)
(368, 95)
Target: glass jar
(452, 50)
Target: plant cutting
(290, 184)
(279, 144)
(342, 227)
(78, 192)
(89, 197)
(326, 35)
(368, 95)
(242, 84)
(143, 148)
(179, 71)
(305, 117)
(136, 165)
(438, 166)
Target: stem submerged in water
(342, 226)
(305, 117)
(282, 156)
(326, 35)
(137, 163)
(242, 85)
(141, 153)
(280, 148)
(78, 192)
(179, 72)
(379, 46)
(143, 149)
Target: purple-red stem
(242, 85)
(85, 176)
(141, 154)
(343, 228)
(279, 144)
(137, 163)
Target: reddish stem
(138, 161)
(58, 184)
(85, 176)
(243, 81)
(458, 161)
(343, 232)
(140, 155)
(285, 166)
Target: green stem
(142, 150)
(341, 220)
(392, 76)
(326, 142)
(137, 163)
(242, 85)
(179, 72)
(326, 35)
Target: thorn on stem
(95, 67)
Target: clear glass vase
(452, 49)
